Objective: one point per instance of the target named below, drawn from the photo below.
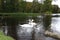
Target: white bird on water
(30, 23)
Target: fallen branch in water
(53, 35)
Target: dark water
(25, 33)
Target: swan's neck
(30, 21)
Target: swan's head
(31, 22)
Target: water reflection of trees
(47, 21)
(12, 23)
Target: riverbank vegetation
(13, 12)
(19, 14)
(4, 37)
(10, 6)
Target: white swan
(30, 23)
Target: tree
(55, 8)
(59, 10)
(47, 5)
(22, 6)
(0, 5)
(9, 5)
(28, 7)
(35, 6)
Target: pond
(29, 31)
(25, 33)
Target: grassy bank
(3, 37)
(19, 14)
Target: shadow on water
(12, 23)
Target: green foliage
(9, 5)
(47, 5)
(20, 14)
(47, 22)
(36, 7)
(55, 8)
(59, 10)
(48, 12)
(22, 6)
(3, 37)
(27, 7)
